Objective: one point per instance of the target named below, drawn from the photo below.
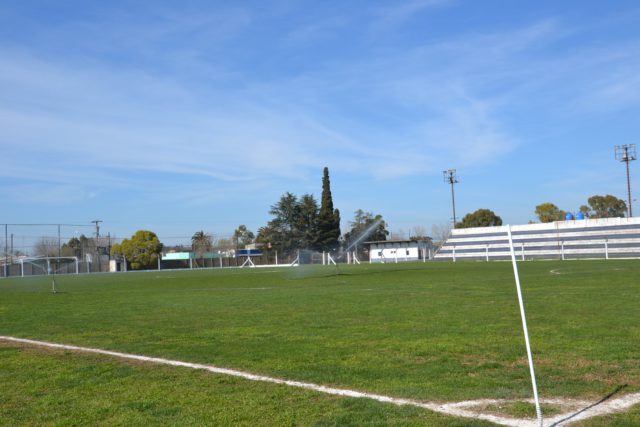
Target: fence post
(562, 249)
(486, 248)
(606, 249)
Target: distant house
(386, 251)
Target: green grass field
(433, 332)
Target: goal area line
(458, 409)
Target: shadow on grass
(604, 399)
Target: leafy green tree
(586, 210)
(201, 243)
(606, 207)
(294, 225)
(307, 223)
(78, 246)
(328, 218)
(365, 227)
(142, 250)
(267, 236)
(242, 236)
(300, 224)
(548, 212)
(480, 218)
(73, 247)
(282, 231)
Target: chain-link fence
(44, 249)
(36, 249)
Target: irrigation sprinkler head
(338, 272)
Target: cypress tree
(328, 219)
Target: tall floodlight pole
(451, 178)
(97, 223)
(627, 153)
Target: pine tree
(328, 219)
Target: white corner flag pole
(524, 327)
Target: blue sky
(182, 116)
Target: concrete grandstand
(589, 238)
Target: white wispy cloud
(317, 30)
(391, 16)
(49, 194)
(387, 114)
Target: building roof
(394, 241)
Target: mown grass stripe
(445, 409)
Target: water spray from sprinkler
(366, 233)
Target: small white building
(386, 251)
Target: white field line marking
(459, 409)
(555, 271)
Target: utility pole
(6, 249)
(451, 178)
(626, 154)
(97, 223)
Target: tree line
(301, 223)
(597, 207)
(297, 223)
